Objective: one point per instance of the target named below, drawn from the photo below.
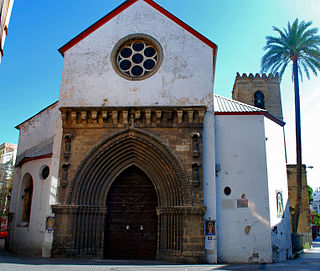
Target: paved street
(309, 260)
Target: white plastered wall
(6, 23)
(185, 76)
(209, 184)
(53, 187)
(37, 129)
(31, 239)
(277, 182)
(243, 233)
(27, 238)
(33, 132)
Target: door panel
(131, 225)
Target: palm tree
(300, 45)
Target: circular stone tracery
(137, 57)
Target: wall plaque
(227, 204)
(242, 203)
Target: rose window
(137, 57)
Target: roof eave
(121, 8)
(264, 113)
(18, 126)
(28, 159)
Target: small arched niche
(26, 195)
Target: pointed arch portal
(130, 147)
(138, 157)
(131, 223)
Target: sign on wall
(50, 224)
(210, 233)
(210, 227)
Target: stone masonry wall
(178, 129)
(304, 220)
(246, 86)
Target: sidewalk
(313, 252)
(309, 260)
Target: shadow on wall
(281, 236)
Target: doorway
(132, 223)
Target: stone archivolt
(82, 214)
(120, 151)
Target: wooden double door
(131, 224)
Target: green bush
(307, 245)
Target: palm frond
(298, 41)
(273, 41)
(310, 33)
(302, 29)
(271, 59)
(305, 67)
(284, 66)
(313, 64)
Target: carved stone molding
(143, 116)
(94, 115)
(67, 149)
(196, 174)
(64, 181)
(195, 145)
(190, 116)
(84, 115)
(76, 209)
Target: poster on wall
(49, 224)
(48, 238)
(210, 227)
(209, 242)
(210, 233)
(279, 203)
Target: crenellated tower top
(260, 90)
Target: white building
(315, 206)
(139, 158)
(7, 159)
(5, 13)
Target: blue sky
(30, 71)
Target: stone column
(209, 184)
(304, 234)
(181, 234)
(63, 229)
(79, 231)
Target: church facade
(140, 160)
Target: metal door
(131, 223)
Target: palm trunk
(296, 214)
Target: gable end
(124, 6)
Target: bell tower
(260, 91)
